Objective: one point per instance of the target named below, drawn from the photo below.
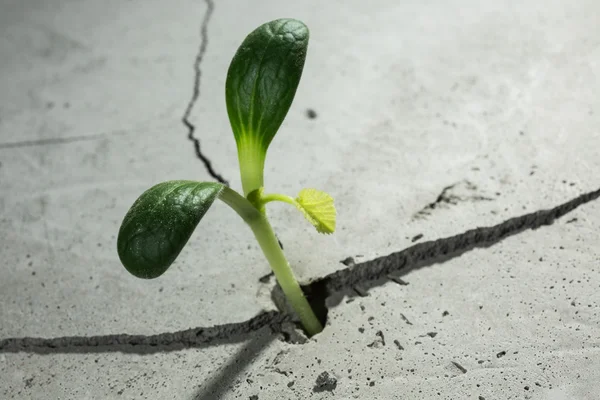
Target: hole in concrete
(316, 294)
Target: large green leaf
(261, 84)
(160, 223)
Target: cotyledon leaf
(262, 80)
(159, 224)
(318, 208)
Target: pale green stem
(270, 246)
(240, 204)
(264, 199)
(252, 163)
(283, 272)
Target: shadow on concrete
(222, 381)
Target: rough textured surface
(447, 132)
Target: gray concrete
(496, 101)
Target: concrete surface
(432, 119)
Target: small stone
(325, 383)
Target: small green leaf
(160, 223)
(261, 83)
(318, 209)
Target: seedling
(261, 84)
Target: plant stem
(267, 240)
(278, 197)
(240, 205)
(251, 157)
(270, 246)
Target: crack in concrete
(196, 94)
(447, 197)
(58, 140)
(375, 272)
(146, 344)
(330, 288)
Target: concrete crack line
(196, 94)
(375, 272)
(448, 197)
(146, 344)
(58, 140)
(368, 274)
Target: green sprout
(261, 84)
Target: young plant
(261, 84)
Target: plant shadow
(223, 379)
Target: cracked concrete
(369, 273)
(451, 195)
(440, 250)
(145, 344)
(52, 141)
(196, 93)
(483, 115)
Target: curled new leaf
(159, 224)
(318, 208)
